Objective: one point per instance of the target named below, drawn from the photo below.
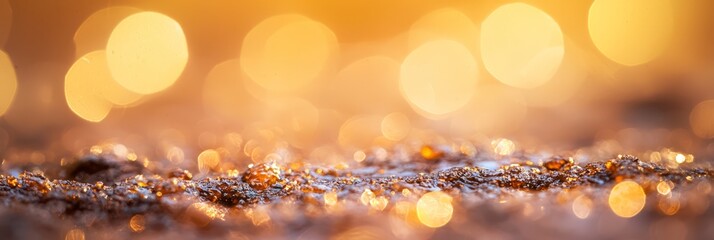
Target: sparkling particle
(262, 176)
(366, 197)
(503, 147)
(429, 153)
(434, 209)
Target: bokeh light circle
(439, 77)
(521, 45)
(82, 90)
(147, 52)
(8, 82)
(701, 119)
(94, 32)
(631, 32)
(284, 53)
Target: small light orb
(439, 77)
(396, 126)
(631, 32)
(8, 82)
(521, 45)
(582, 206)
(434, 209)
(147, 52)
(627, 199)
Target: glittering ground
(433, 194)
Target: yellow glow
(330, 198)
(83, 86)
(94, 32)
(360, 131)
(74, 234)
(136, 223)
(701, 119)
(496, 109)
(445, 23)
(627, 199)
(108, 88)
(680, 158)
(379, 203)
(503, 147)
(225, 95)
(147, 52)
(521, 45)
(630, 32)
(582, 206)
(284, 53)
(434, 209)
(664, 187)
(439, 77)
(396, 126)
(359, 156)
(377, 75)
(8, 82)
(208, 159)
(367, 196)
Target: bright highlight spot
(701, 119)
(396, 126)
(521, 45)
(208, 159)
(664, 187)
(147, 52)
(439, 77)
(627, 199)
(631, 32)
(8, 82)
(503, 147)
(83, 86)
(284, 53)
(434, 209)
(582, 206)
(94, 32)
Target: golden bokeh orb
(627, 199)
(439, 77)
(82, 90)
(631, 32)
(521, 45)
(147, 52)
(94, 32)
(8, 82)
(287, 52)
(435, 209)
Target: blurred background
(331, 81)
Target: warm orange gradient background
(356, 74)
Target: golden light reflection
(582, 206)
(74, 234)
(83, 86)
(434, 209)
(627, 199)
(664, 187)
(701, 119)
(284, 53)
(8, 82)
(94, 32)
(396, 126)
(521, 45)
(208, 160)
(445, 23)
(367, 196)
(439, 77)
(136, 223)
(147, 52)
(631, 32)
(330, 198)
(503, 147)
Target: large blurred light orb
(94, 32)
(147, 52)
(627, 199)
(631, 32)
(8, 82)
(109, 89)
(521, 45)
(701, 119)
(82, 90)
(439, 77)
(284, 53)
